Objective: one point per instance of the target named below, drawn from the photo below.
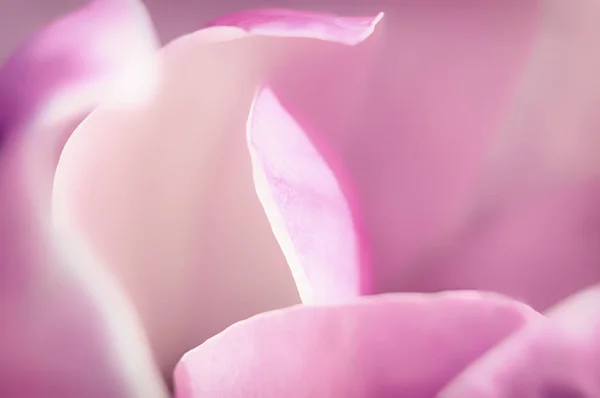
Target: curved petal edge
(398, 345)
(291, 23)
(304, 202)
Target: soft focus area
(300, 198)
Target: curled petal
(559, 357)
(289, 23)
(66, 331)
(166, 191)
(304, 202)
(377, 346)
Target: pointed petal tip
(293, 23)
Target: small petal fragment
(378, 346)
(65, 329)
(559, 357)
(309, 214)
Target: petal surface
(559, 357)
(531, 225)
(66, 330)
(287, 23)
(303, 199)
(412, 116)
(166, 192)
(22, 18)
(379, 346)
(464, 179)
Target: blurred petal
(165, 191)
(550, 236)
(559, 357)
(378, 346)
(26, 16)
(66, 331)
(534, 212)
(304, 202)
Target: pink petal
(411, 114)
(304, 202)
(66, 331)
(380, 346)
(533, 214)
(548, 236)
(289, 23)
(559, 357)
(165, 191)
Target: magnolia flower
(443, 155)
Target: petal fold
(376, 346)
(304, 202)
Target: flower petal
(411, 113)
(534, 213)
(377, 346)
(559, 357)
(66, 331)
(304, 202)
(166, 190)
(290, 23)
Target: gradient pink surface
(455, 147)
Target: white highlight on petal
(274, 215)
